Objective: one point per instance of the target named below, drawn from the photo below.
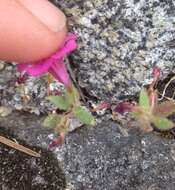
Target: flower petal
(39, 68)
(70, 45)
(22, 67)
(54, 64)
(59, 71)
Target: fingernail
(47, 13)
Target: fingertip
(46, 13)
(23, 37)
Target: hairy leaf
(137, 112)
(124, 107)
(144, 100)
(60, 101)
(145, 124)
(72, 95)
(84, 116)
(153, 98)
(162, 123)
(165, 109)
(62, 126)
(52, 120)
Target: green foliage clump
(149, 112)
(70, 104)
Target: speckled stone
(27, 94)
(103, 157)
(120, 41)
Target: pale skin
(30, 30)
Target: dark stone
(108, 156)
(19, 171)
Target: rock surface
(19, 171)
(119, 43)
(107, 157)
(113, 161)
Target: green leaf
(72, 95)
(145, 124)
(84, 116)
(60, 101)
(52, 120)
(62, 126)
(162, 123)
(144, 100)
(137, 112)
(165, 109)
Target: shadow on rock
(19, 171)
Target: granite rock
(104, 158)
(108, 156)
(120, 41)
(24, 92)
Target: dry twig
(19, 147)
(166, 86)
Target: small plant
(70, 104)
(148, 112)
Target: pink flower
(156, 72)
(54, 64)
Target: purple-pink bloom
(54, 64)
